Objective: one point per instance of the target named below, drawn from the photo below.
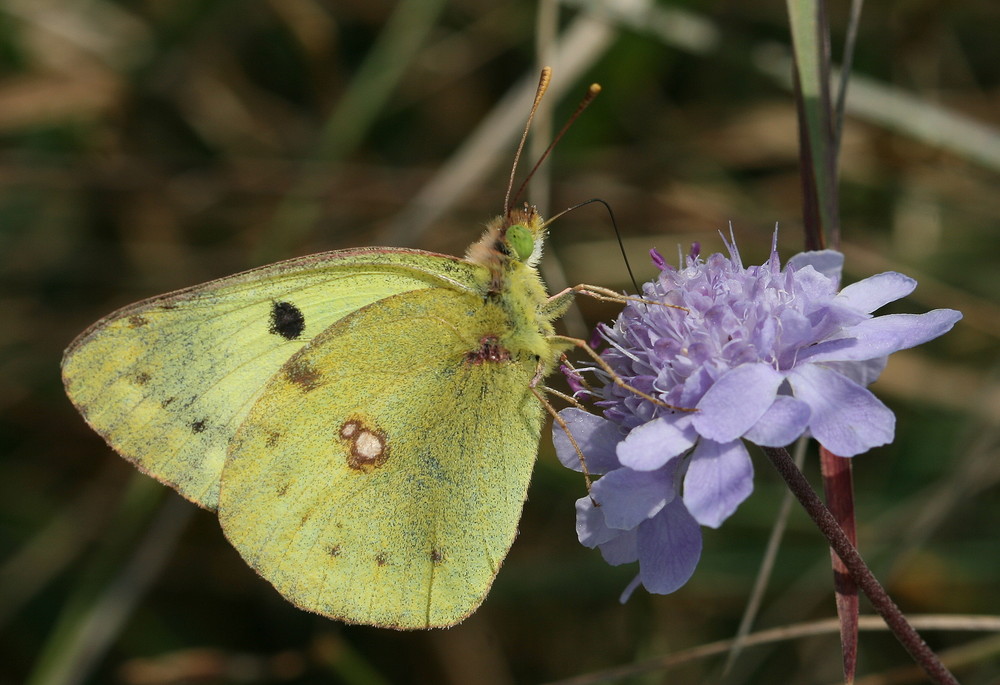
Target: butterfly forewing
(167, 381)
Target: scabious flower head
(761, 354)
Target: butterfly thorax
(510, 250)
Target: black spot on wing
(198, 426)
(286, 320)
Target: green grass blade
(810, 48)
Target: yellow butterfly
(364, 421)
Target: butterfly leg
(562, 298)
(615, 378)
(562, 424)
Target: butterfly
(364, 422)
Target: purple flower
(763, 354)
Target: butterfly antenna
(614, 224)
(592, 92)
(543, 85)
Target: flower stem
(883, 604)
(839, 489)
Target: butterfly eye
(520, 241)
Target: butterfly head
(516, 237)
(520, 242)
(522, 235)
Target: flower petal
(629, 497)
(630, 588)
(596, 436)
(669, 549)
(620, 550)
(719, 477)
(828, 262)
(736, 401)
(863, 373)
(883, 335)
(591, 530)
(651, 445)
(813, 285)
(781, 424)
(873, 292)
(846, 418)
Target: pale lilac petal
(736, 401)
(597, 437)
(828, 262)
(784, 422)
(591, 530)
(863, 373)
(629, 497)
(669, 549)
(796, 330)
(846, 418)
(622, 549)
(651, 445)
(876, 291)
(883, 335)
(813, 285)
(719, 477)
(630, 588)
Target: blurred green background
(150, 145)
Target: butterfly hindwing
(381, 473)
(167, 381)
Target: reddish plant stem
(839, 488)
(883, 604)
